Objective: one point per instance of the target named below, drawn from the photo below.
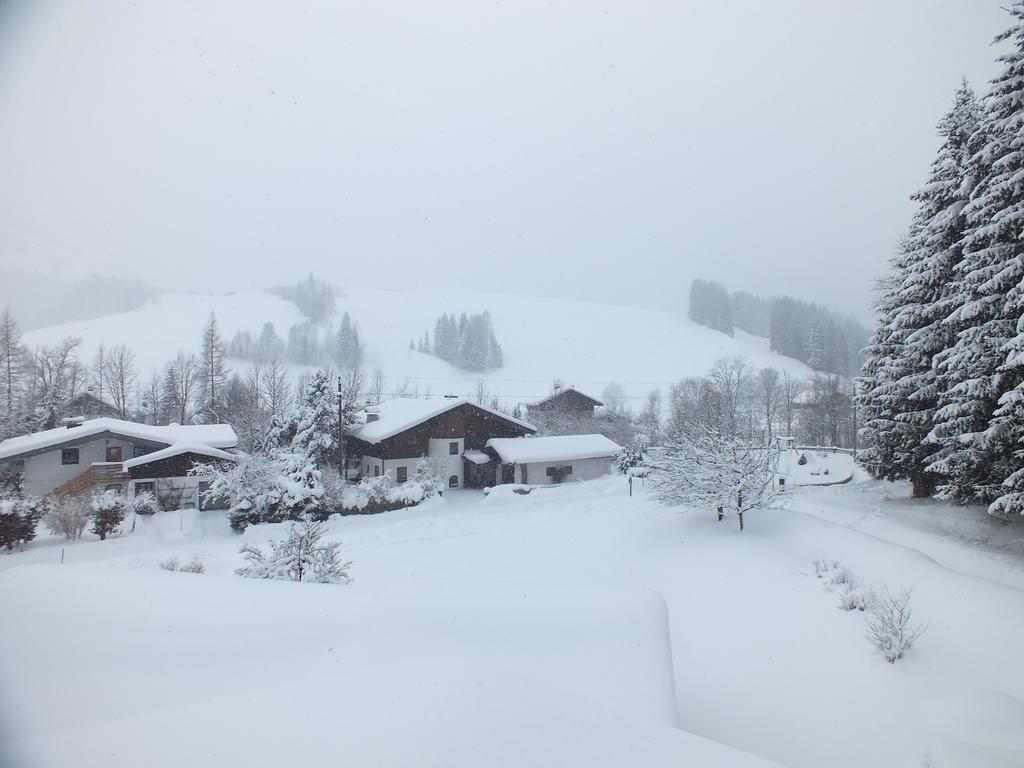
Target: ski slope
(584, 344)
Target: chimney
(73, 421)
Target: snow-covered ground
(572, 626)
(585, 344)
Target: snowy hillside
(584, 344)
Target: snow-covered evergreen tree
(978, 424)
(314, 422)
(348, 352)
(814, 347)
(302, 556)
(904, 390)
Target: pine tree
(212, 373)
(920, 300)
(13, 370)
(977, 426)
(315, 423)
(814, 348)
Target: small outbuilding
(555, 459)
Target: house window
(453, 481)
(453, 449)
(114, 453)
(402, 474)
(146, 487)
(550, 471)
(376, 470)
(568, 469)
(69, 456)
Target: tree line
(943, 385)
(823, 339)
(468, 343)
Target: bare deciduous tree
(768, 391)
(121, 377)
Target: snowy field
(583, 343)
(570, 626)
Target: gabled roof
(565, 392)
(398, 415)
(179, 449)
(211, 435)
(529, 450)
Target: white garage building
(555, 459)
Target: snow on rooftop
(477, 457)
(529, 450)
(211, 435)
(177, 450)
(404, 413)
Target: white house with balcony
(87, 455)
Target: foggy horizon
(588, 151)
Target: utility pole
(341, 430)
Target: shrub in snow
(252, 487)
(854, 599)
(302, 556)
(68, 518)
(628, 458)
(889, 625)
(143, 504)
(108, 512)
(172, 564)
(19, 519)
(802, 460)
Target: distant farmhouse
(475, 445)
(89, 455)
(567, 411)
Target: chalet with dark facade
(566, 411)
(450, 432)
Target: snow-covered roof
(400, 414)
(529, 450)
(211, 435)
(563, 392)
(477, 457)
(177, 450)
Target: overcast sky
(607, 150)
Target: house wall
(44, 472)
(452, 463)
(173, 486)
(369, 463)
(582, 469)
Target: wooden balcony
(96, 475)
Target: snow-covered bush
(108, 512)
(19, 519)
(172, 564)
(302, 556)
(380, 494)
(252, 487)
(628, 458)
(68, 517)
(889, 625)
(854, 599)
(143, 504)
